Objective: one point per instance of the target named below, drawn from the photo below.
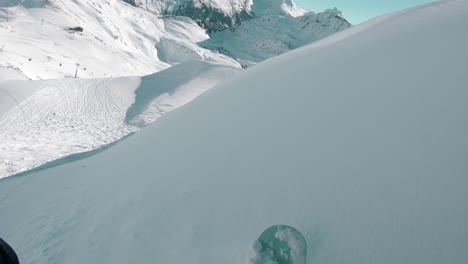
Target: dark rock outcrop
(210, 18)
(131, 2)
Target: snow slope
(219, 15)
(117, 39)
(276, 7)
(358, 141)
(10, 74)
(42, 121)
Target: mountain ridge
(218, 15)
(40, 42)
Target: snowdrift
(358, 141)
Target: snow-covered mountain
(43, 39)
(50, 120)
(117, 40)
(47, 38)
(213, 15)
(359, 141)
(264, 37)
(217, 15)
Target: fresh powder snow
(359, 141)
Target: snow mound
(172, 88)
(359, 141)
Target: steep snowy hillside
(117, 40)
(43, 121)
(217, 15)
(276, 7)
(358, 141)
(264, 37)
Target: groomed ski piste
(358, 141)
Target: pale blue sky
(357, 11)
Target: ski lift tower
(76, 71)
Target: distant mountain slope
(359, 141)
(276, 7)
(24, 3)
(258, 29)
(218, 15)
(47, 38)
(264, 37)
(117, 39)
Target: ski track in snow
(58, 121)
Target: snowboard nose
(280, 244)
